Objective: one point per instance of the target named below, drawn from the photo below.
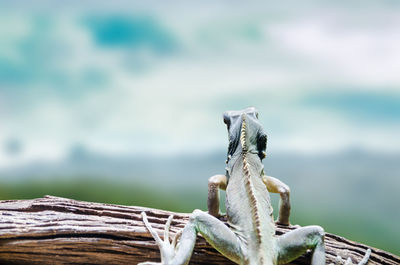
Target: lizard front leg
(274, 185)
(215, 183)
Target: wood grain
(53, 230)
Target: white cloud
(176, 105)
(345, 53)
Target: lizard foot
(167, 250)
(364, 261)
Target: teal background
(122, 102)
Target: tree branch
(53, 230)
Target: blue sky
(137, 77)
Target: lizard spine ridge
(249, 186)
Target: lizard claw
(167, 251)
(364, 261)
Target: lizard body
(248, 205)
(250, 238)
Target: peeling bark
(53, 230)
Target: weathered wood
(53, 230)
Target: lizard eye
(261, 145)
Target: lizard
(250, 236)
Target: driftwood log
(53, 230)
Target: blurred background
(122, 102)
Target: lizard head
(245, 132)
